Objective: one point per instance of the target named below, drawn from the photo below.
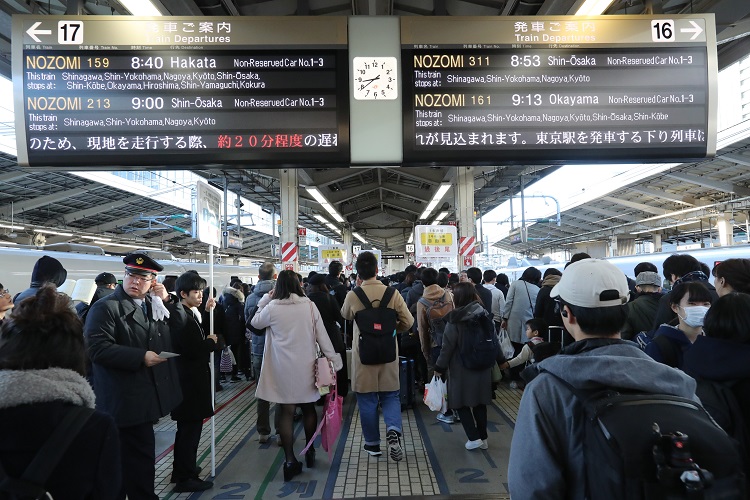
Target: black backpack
(655, 446)
(478, 342)
(31, 484)
(377, 329)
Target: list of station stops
(546, 91)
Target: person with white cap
(127, 333)
(547, 453)
(642, 311)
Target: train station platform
(435, 463)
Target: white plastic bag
(435, 394)
(505, 345)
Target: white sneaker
(446, 419)
(263, 438)
(473, 445)
(484, 445)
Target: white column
(724, 229)
(657, 242)
(289, 210)
(464, 198)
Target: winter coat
(431, 294)
(415, 292)
(82, 308)
(46, 270)
(641, 313)
(234, 316)
(486, 297)
(32, 404)
(194, 370)
(258, 342)
(518, 308)
(293, 325)
(676, 337)
(330, 311)
(117, 338)
(337, 287)
(550, 424)
(465, 387)
(375, 378)
(545, 305)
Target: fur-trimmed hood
(233, 292)
(23, 387)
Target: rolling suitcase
(407, 389)
(558, 334)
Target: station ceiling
(383, 204)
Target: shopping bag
(435, 394)
(330, 424)
(324, 374)
(505, 344)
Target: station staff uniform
(122, 337)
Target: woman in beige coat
(293, 326)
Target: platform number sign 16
(662, 30)
(70, 32)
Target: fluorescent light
(440, 217)
(334, 228)
(683, 223)
(411, 238)
(593, 7)
(328, 207)
(56, 233)
(359, 237)
(141, 7)
(13, 228)
(97, 238)
(321, 218)
(7, 243)
(435, 200)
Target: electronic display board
(133, 91)
(558, 89)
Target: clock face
(375, 78)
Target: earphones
(563, 313)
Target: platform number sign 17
(70, 32)
(662, 30)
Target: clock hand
(369, 81)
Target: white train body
(17, 264)
(709, 256)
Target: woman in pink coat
(293, 326)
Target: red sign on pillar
(468, 261)
(288, 266)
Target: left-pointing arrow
(33, 31)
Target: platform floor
(435, 464)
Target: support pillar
(289, 211)
(657, 242)
(464, 200)
(346, 234)
(725, 230)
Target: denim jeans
(390, 402)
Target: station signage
(436, 242)
(112, 91)
(553, 89)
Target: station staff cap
(139, 263)
(592, 283)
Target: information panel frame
(304, 109)
(516, 63)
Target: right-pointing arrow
(696, 30)
(33, 31)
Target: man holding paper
(125, 332)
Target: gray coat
(117, 337)
(251, 302)
(465, 387)
(518, 308)
(549, 428)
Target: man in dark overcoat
(132, 382)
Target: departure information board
(127, 91)
(558, 89)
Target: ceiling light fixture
(141, 7)
(411, 238)
(593, 7)
(12, 227)
(97, 238)
(328, 207)
(359, 237)
(435, 200)
(440, 217)
(55, 233)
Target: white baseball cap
(592, 283)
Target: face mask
(694, 315)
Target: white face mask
(694, 315)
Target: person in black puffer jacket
(331, 313)
(234, 330)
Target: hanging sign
(329, 253)
(206, 216)
(436, 242)
(302, 236)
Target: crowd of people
(116, 350)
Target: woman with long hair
(732, 275)
(293, 325)
(42, 368)
(469, 391)
(329, 309)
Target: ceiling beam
(83, 214)
(408, 192)
(40, 201)
(12, 176)
(603, 211)
(338, 197)
(723, 186)
(738, 158)
(428, 175)
(685, 200)
(638, 206)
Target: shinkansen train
(709, 256)
(18, 263)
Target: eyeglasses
(138, 277)
(5, 293)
